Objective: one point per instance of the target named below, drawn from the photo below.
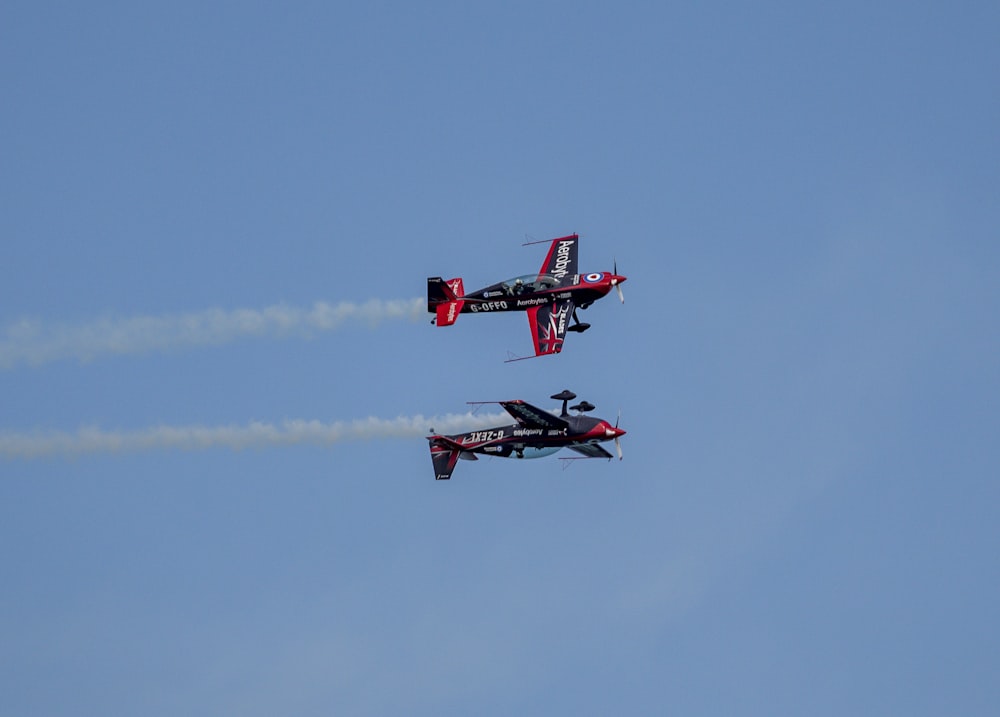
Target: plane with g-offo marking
(550, 297)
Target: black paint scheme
(550, 297)
(537, 433)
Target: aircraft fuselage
(523, 293)
(513, 440)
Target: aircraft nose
(616, 281)
(613, 432)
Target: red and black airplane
(551, 297)
(537, 433)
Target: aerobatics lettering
(529, 413)
(528, 431)
(562, 258)
(533, 302)
(452, 305)
(562, 321)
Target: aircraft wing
(548, 324)
(531, 417)
(591, 450)
(561, 260)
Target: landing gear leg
(578, 326)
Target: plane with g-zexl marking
(551, 297)
(537, 433)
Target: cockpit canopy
(529, 283)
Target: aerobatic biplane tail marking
(444, 298)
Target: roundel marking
(593, 278)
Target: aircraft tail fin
(444, 298)
(445, 454)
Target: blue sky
(804, 200)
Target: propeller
(616, 283)
(618, 443)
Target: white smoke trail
(90, 440)
(33, 343)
